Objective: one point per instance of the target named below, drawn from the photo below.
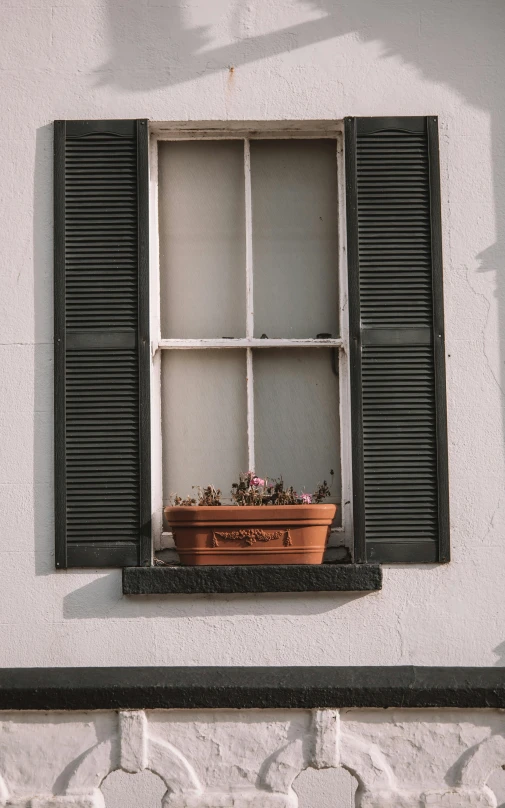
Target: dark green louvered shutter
(102, 475)
(400, 479)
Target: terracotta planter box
(252, 534)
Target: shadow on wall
(500, 662)
(103, 598)
(152, 47)
(43, 358)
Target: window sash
(160, 132)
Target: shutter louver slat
(91, 463)
(398, 394)
(101, 329)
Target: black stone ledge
(250, 687)
(254, 578)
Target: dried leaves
(206, 496)
(254, 490)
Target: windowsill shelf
(179, 580)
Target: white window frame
(244, 131)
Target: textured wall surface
(252, 759)
(292, 59)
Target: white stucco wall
(320, 59)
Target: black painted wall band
(249, 687)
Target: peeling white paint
(399, 758)
(133, 732)
(326, 731)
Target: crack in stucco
(400, 635)
(487, 304)
(490, 526)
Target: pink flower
(257, 481)
(306, 499)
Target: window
(188, 321)
(251, 359)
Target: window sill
(250, 579)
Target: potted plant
(266, 524)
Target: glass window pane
(202, 239)
(296, 413)
(204, 419)
(295, 229)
